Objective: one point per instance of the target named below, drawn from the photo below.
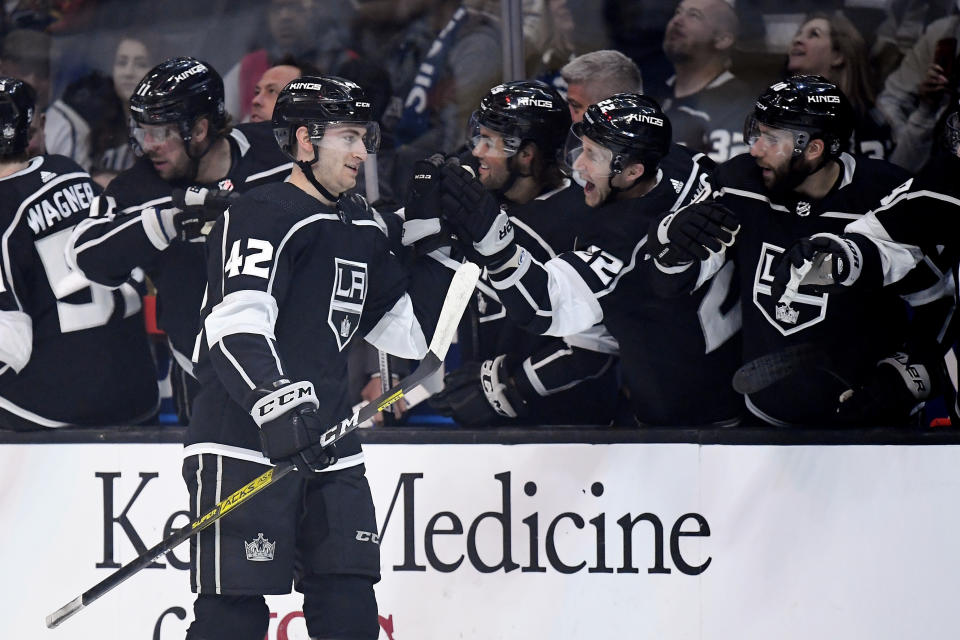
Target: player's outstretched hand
(475, 215)
(694, 233)
(891, 392)
(825, 261)
(290, 429)
(422, 209)
(479, 394)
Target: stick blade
(771, 368)
(458, 296)
(64, 612)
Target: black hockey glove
(826, 261)
(198, 209)
(480, 394)
(289, 427)
(422, 227)
(892, 392)
(694, 233)
(476, 216)
(352, 207)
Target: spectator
(26, 55)
(797, 181)
(517, 135)
(704, 100)
(89, 122)
(71, 352)
(829, 45)
(915, 96)
(268, 87)
(311, 31)
(184, 138)
(632, 174)
(597, 75)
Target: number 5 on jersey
(257, 253)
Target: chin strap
(307, 169)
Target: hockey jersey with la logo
(856, 329)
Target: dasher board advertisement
(532, 542)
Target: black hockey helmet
(316, 102)
(528, 110)
(812, 106)
(17, 107)
(632, 126)
(178, 90)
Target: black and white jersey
(915, 230)
(291, 286)
(71, 351)
(857, 329)
(569, 380)
(670, 350)
(711, 120)
(108, 247)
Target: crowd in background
(427, 63)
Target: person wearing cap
(798, 181)
(631, 172)
(184, 140)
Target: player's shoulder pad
(137, 185)
(259, 136)
(60, 165)
(740, 172)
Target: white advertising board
(534, 542)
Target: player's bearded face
(488, 148)
(342, 153)
(164, 147)
(773, 151)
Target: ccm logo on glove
(282, 400)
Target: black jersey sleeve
(913, 226)
(249, 269)
(16, 326)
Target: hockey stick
(771, 368)
(464, 281)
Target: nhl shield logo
(803, 312)
(346, 299)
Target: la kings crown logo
(804, 311)
(346, 299)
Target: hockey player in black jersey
(297, 271)
(797, 181)
(671, 351)
(909, 243)
(183, 138)
(516, 138)
(71, 352)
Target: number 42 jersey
(71, 352)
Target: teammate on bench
(632, 173)
(184, 139)
(71, 352)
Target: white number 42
(258, 252)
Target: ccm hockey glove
(694, 232)
(476, 216)
(825, 260)
(480, 394)
(892, 392)
(422, 227)
(289, 427)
